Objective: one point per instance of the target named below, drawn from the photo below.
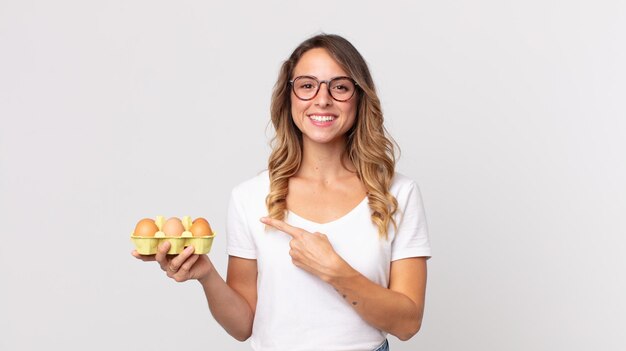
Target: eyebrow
(312, 76)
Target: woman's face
(322, 119)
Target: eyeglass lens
(306, 88)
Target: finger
(186, 267)
(178, 261)
(322, 235)
(161, 254)
(284, 227)
(293, 253)
(144, 258)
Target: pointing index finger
(294, 232)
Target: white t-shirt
(297, 311)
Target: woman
(338, 257)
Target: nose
(323, 97)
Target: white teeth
(322, 118)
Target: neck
(323, 162)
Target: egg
(200, 227)
(146, 228)
(173, 227)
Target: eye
(306, 83)
(342, 86)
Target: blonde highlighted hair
(369, 147)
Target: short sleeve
(239, 239)
(411, 238)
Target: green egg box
(148, 245)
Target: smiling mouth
(320, 118)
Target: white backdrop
(510, 115)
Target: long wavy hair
(369, 146)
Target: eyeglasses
(339, 88)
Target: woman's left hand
(312, 252)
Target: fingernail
(189, 248)
(264, 219)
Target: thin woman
(328, 246)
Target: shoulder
(406, 191)
(402, 185)
(256, 186)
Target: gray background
(510, 115)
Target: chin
(323, 139)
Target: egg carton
(148, 245)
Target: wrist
(207, 274)
(342, 275)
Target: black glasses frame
(319, 85)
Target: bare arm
(397, 310)
(231, 303)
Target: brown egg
(146, 227)
(200, 227)
(173, 227)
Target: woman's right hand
(181, 267)
(233, 305)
